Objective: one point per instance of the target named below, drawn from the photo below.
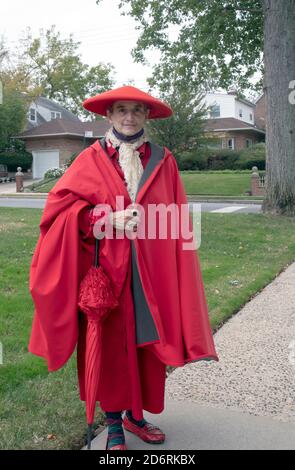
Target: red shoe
(148, 433)
(116, 447)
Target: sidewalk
(247, 399)
(10, 188)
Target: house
(44, 110)
(259, 114)
(233, 121)
(53, 143)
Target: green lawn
(239, 254)
(220, 183)
(217, 183)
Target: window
(214, 111)
(228, 144)
(240, 113)
(55, 115)
(213, 144)
(251, 117)
(249, 143)
(32, 115)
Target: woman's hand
(127, 218)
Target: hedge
(222, 159)
(15, 159)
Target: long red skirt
(131, 377)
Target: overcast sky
(105, 35)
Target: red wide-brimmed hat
(99, 103)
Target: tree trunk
(279, 72)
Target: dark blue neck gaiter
(127, 138)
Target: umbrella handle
(96, 252)
(89, 436)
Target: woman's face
(128, 117)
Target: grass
(215, 183)
(239, 255)
(43, 186)
(38, 410)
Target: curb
(190, 198)
(228, 201)
(24, 195)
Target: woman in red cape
(162, 318)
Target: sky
(105, 35)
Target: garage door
(43, 160)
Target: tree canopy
(219, 42)
(183, 130)
(51, 66)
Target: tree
(279, 59)
(224, 43)
(51, 67)
(12, 116)
(220, 43)
(183, 130)
(13, 103)
(3, 51)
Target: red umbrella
(96, 299)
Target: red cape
(171, 277)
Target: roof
(262, 95)
(30, 125)
(54, 106)
(230, 124)
(64, 127)
(236, 96)
(245, 101)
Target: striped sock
(115, 429)
(140, 423)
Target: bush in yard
(193, 160)
(53, 173)
(208, 159)
(252, 156)
(71, 159)
(222, 159)
(15, 159)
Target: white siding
(226, 102)
(230, 106)
(246, 110)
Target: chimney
(88, 133)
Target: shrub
(206, 158)
(252, 156)
(53, 173)
(15, 159)
(222, 159)
(192, 160)
(71, 159)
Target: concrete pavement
(247, 399)
(10, 188)
(189, 426)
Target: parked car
(4, 178)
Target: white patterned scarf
(129, 160)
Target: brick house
(233, 133)
(259, 113)
(53, 143)
(234, 122)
